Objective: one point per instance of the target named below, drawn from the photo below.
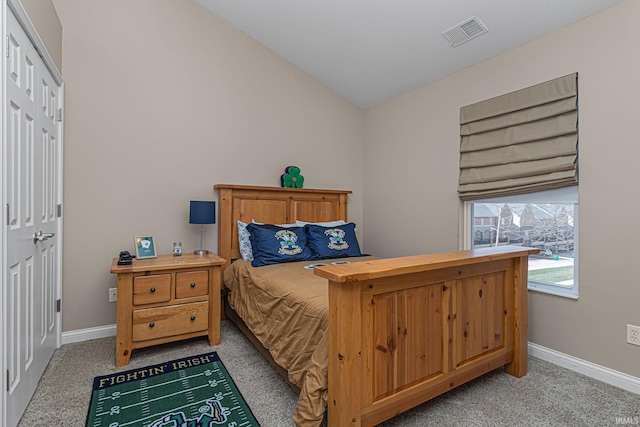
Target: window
(519, 178)
(545, 220)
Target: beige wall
(44, 18)
(411, 160)
(164, 100)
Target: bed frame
(402, 330)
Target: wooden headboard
(272, 205)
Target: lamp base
(201, 251)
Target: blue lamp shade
(202, 212)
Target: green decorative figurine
(291, 177)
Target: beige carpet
(547, 396)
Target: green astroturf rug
(191, 392)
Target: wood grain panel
(401, 320)
(267, 211)
(314, 211)
(481, 311)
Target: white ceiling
(372, 50)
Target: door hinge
(60, 114)
(58, 304)
(8, 214)
(7, 380)
(7, 52)
(59, 213)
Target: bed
(397, 332)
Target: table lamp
(202, 213)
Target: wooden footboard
(405, 330)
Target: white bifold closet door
(33, 159)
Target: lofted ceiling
(371, 50)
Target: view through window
(550, 227)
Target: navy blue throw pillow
(272, 244)
(333, 242)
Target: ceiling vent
(465, 31)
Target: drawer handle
(193, 285)
(193, 317)
(151, 325)
(153, 290)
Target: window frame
(568, 195)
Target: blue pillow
(244, 242)
(272, 244)
(333, 242)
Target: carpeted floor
(547, 396)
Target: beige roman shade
(521, 142)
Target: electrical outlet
(633, 334)
(113, 294)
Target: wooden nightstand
(164, 299)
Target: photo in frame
(145, 247)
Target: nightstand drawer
(151, 289)
(192, 284)
(161, 322)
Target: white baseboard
(88, 334)
(606, 375)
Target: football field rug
(195, 391)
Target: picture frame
(145, 247)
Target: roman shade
(521, 142)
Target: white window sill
(562, 290)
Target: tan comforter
(286, 308)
